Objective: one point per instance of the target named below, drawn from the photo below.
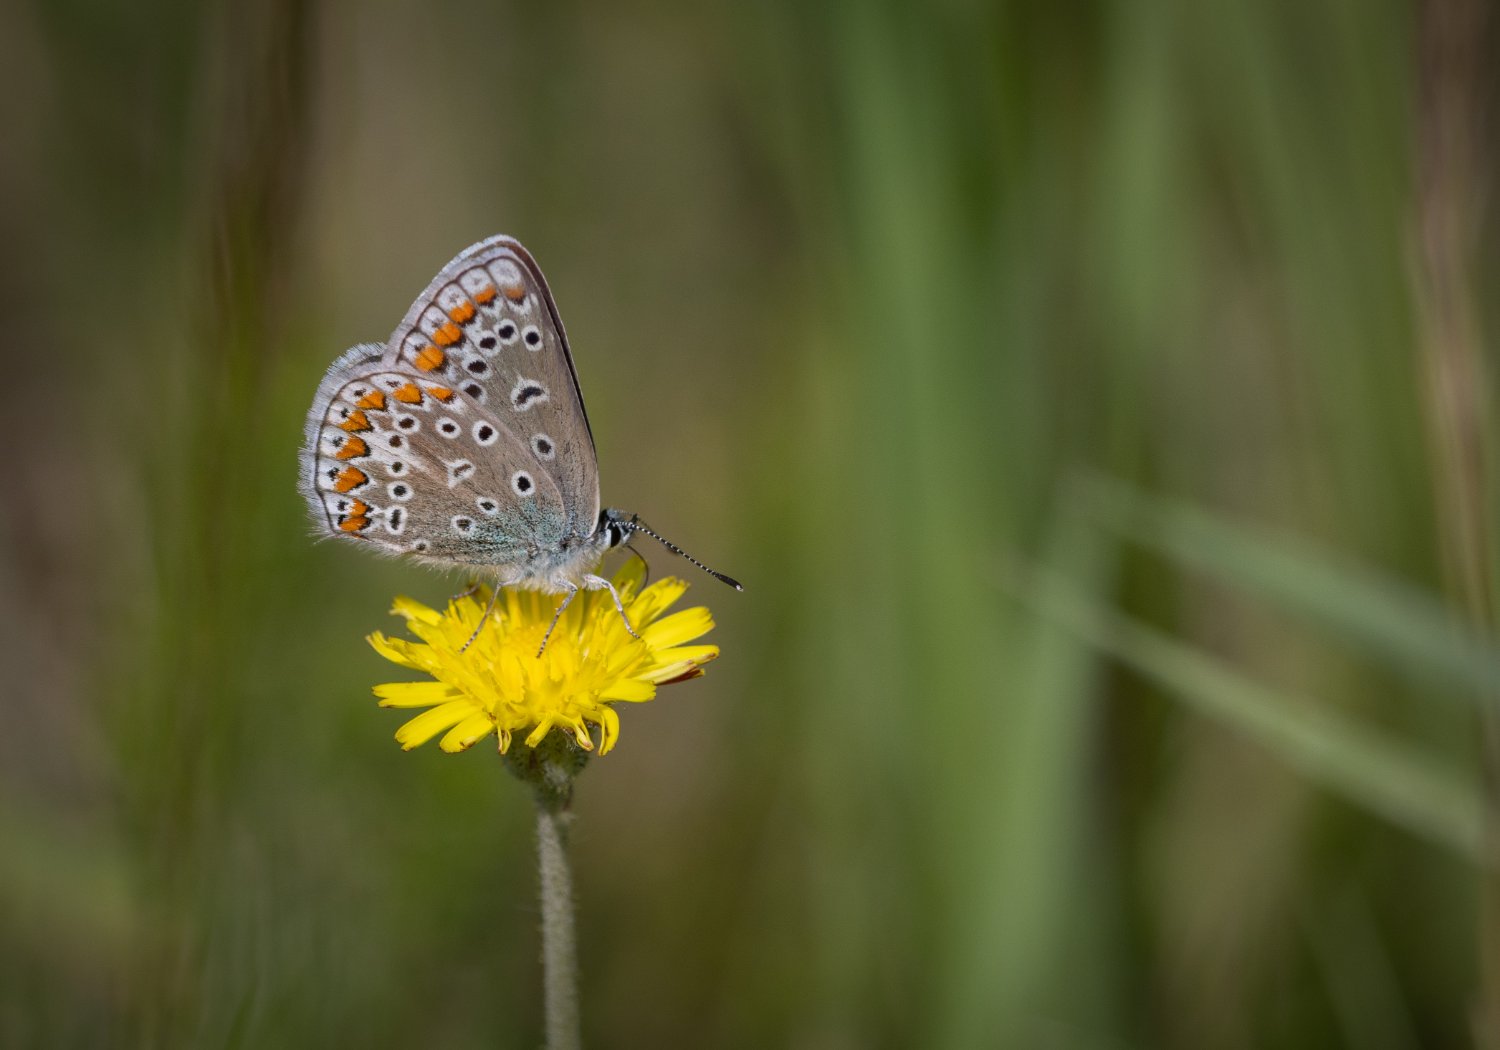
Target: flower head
(499, 684)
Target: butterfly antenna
(636, 525)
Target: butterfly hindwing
(414, 467)
(488, 329)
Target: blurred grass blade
(1026, 884)
(1391, 620)
(1364, 767)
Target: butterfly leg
(495, 593)
(468, 592)
(572, 593)
(599, 583)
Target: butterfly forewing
(488, 329)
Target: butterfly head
(615, 527)
(618, 528)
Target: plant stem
(559, 946)
(1455, 56)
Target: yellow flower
(500, 685)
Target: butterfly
(463, 441)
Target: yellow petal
(470, 604)
(537, 735)
(429, 723)
(630, 577)
(400, 651)
(415, 610)
(670, 672)
(581, 735)
(467, 733)
(415, 694)
(678, 628)
(628, 689)
(698, 654)
(609, 730)
(655, 600)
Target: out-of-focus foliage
(1055, 376)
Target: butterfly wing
(488, 328)
(411, 466)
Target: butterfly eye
(395, 521)
(478, 366)
(487, 505)
(521, 483)
(400, 491)
(475, 391)
(542, 445)
(487, 343)
(532, 337)
(448, 428)
(485, 433)
(408, 423)
(463, 524)
(397, 467)
(507, 332)
(420, 546)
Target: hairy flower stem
(559, 946)
(550, 768)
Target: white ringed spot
(526, 394)
(458, 470)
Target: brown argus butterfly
(463, 440)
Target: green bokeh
(1057, 377)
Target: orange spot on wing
(408, 394)
(447, 334)
(359, 509)
(442, 393)
(514, 292)
(349, 478)
(355, 524)
(485, 294)
(463, 313)
(353, 449)
(355, 423)
(374, 401)
(430, 359)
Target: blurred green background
(1091, 395)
